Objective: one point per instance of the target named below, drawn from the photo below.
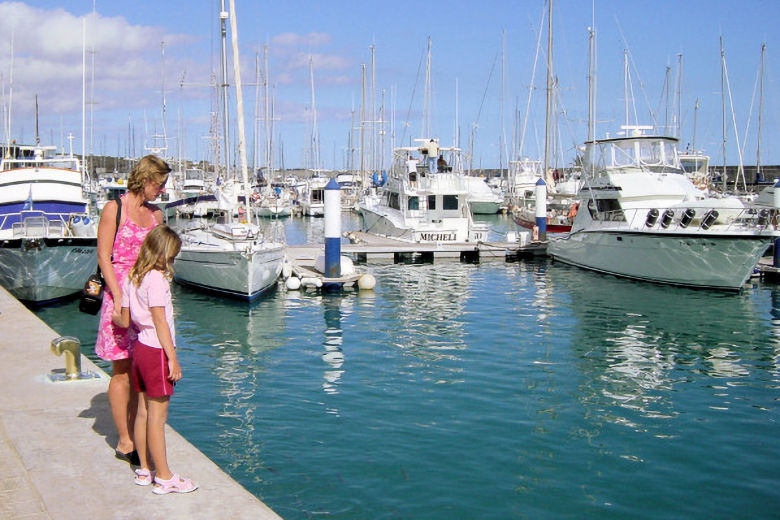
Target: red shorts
(150, 371)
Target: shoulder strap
(118, 213)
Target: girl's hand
(116, 317)
(174, 369)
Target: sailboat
(229, 257)
(272, 199)
(561, 204)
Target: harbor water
(482, 391)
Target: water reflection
(431, 300)
(636, 342)
(334, 354)
(230, 344)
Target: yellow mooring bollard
(71, 347)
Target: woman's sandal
(131, 457)
(143, 477)
(175, 484)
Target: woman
(117, 252)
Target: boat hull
(721, 261)
(381, 224)
(479, 207)
(522, 221)
(240, 274)
(43, 270)
(273, 211)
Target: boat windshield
(695, 164)
(656, 154)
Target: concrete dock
(57, 444)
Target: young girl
(146, 298)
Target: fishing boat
(642, 217)
(48, 234)
(422, 206)
(228, 256)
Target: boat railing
(64, 163)
(700, 219)
(40, 224)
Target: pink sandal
(143, 476)
(175, 484)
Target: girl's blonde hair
(158, 250)
(149, 168)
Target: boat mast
(723, 109)
(315, 139)
(591, 83)
(268, 131)
(256, 118)
(502, 136)
(83, 99)
(37, 136)
(549, 89)
(760, 111)
(678, 98)
(695, 118)
(363, 176)
(426, 115)
(372, 100)
(240, 110)
(223, 15)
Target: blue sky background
(126, 72)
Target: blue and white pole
(332, 230)
(540, 196)
(776, 256)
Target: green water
(492, 391)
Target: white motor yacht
(420, 205)
(48, 234)
(641, 217)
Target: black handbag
(92, 294)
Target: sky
(151, 66)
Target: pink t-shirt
(154, 291)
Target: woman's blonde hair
(158, 250)
(149, 168)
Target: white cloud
(47, 59)
(300, 40)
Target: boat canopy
(651, 153)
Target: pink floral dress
(115, 343)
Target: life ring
(255, 196)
